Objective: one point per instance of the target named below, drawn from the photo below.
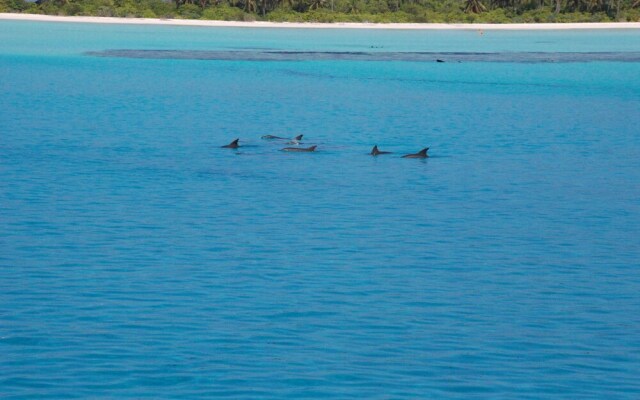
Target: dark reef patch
(280, 55)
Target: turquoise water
(140, 260)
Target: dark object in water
(271, 137)
(300, 149)
(439, 60)
(421, 154)
(232, 145)
(375, 151)
(282, 55)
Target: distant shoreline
(309, 25)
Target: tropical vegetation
(460, 11)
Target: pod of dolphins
(296, 140)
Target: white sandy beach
(259, 24)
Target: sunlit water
(140, 259)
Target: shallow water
(139, 259)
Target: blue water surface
(138, 259)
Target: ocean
(139, 259)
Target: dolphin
(375, 151)
(232, 145)
(296, 140)
(271, 137)
(421, 154)
(300, 149)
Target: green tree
(474, 6)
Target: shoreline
(317, 25)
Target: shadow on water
(441, 57)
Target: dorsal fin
(423, 151)
(375, 150)
(299, 137)
(232, 145)
(312, 148)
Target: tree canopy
(459, 11)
